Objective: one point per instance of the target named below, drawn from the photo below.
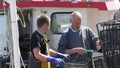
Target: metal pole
(15, 35)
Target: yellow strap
(46, 64)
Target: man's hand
(98, 44)
(58, 61)
(63, 56)
(79, 50)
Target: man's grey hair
(75, 13)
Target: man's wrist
(70, 51)
(58, 54)
(50, 59)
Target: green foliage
(55, 27)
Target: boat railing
(69, 0)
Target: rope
(22, 16)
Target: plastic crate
(75, 65)
(96, 61)
(109, 34)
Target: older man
(78, 41)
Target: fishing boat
(18, 22)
